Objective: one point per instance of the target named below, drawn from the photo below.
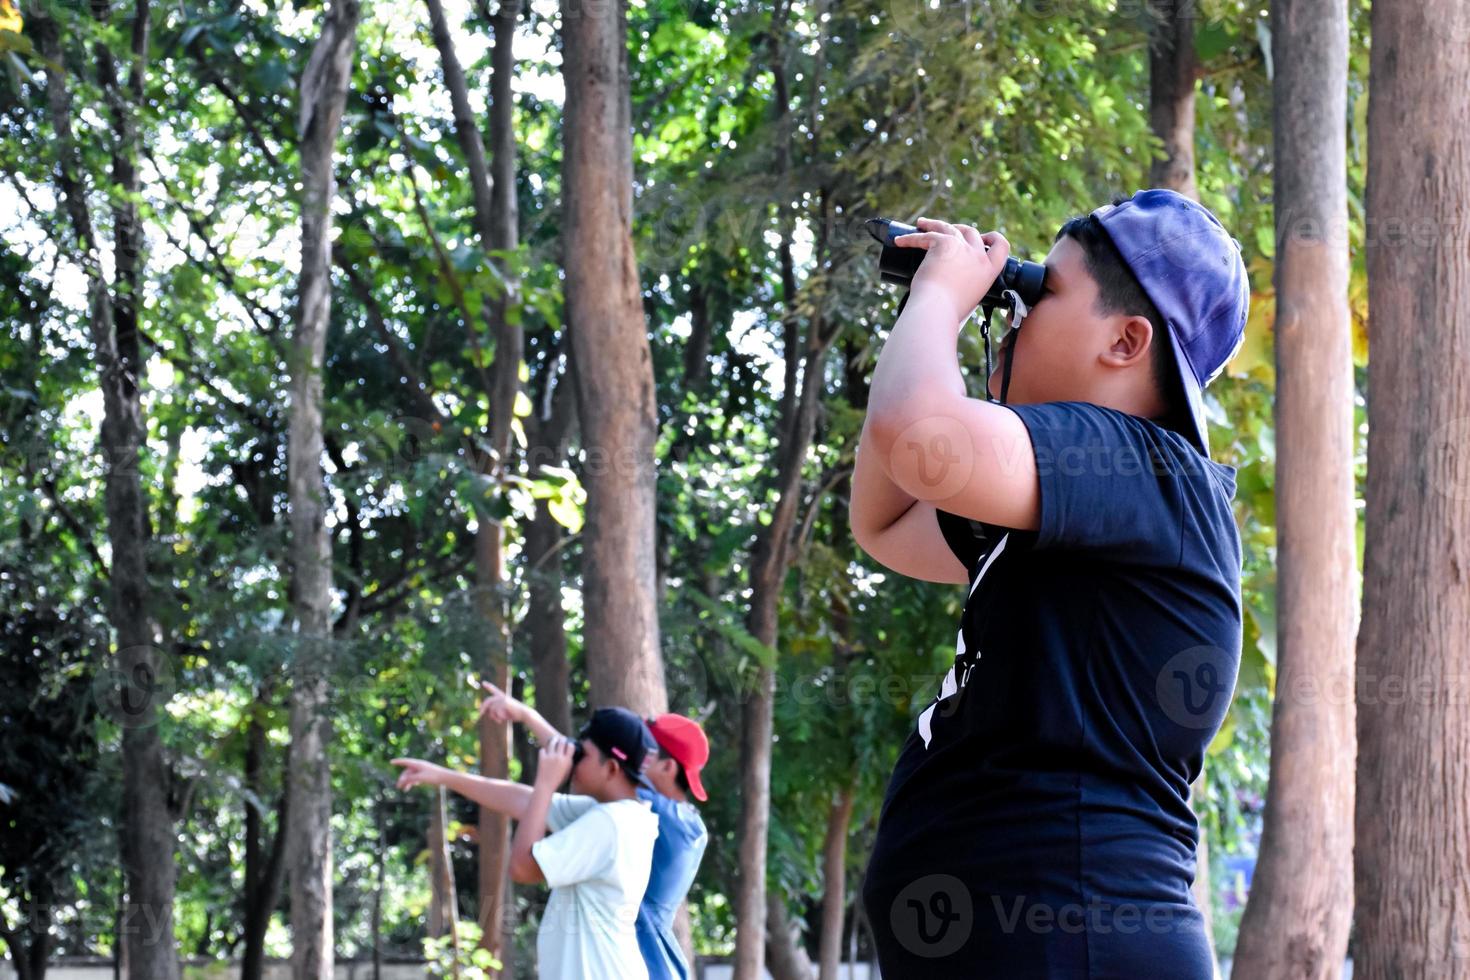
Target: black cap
(623, 737)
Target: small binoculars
(897, 265)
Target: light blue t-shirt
(676, 855)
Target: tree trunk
(834, 881)
(1413, 804)
(1173, 69)
(323, 94)
(495, 741)
(146, 825)
(496, 222)
(545, 619)
(767, 576)
(265, 871)
(443, 914)
(614, 376)
(380, 867)
(1296, 923)
(768, 564)
(787, 958)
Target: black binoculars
(897, 265)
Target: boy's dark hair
(1118, 291)
(605, 756)
(680, 780)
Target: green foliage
(1011, 115)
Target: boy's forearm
(532, 827)
(501, 795)
(544, 730)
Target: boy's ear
(1131, 339)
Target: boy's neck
(618, 791)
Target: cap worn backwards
(1192, 269)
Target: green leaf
(566, 513)
(1212, 40)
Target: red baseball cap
(683, 739)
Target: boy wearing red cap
(675, 774)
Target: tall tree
(546, 435)
(1413, 803)
(1296, 924)
(834, 881)
(146, 830)
(265, 864)
(496, 222)
(805, 355)
(1173, 70)
(323, 96)
(614, 367)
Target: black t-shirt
(1037, 823)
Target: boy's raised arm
(501, 707)
(552, 766)
(500, 795)
(935, 443)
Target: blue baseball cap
(1191, 268)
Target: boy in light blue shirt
(682, 752)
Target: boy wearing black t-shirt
(1037, 823)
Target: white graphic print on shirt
(964, 660)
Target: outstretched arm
(501, 795)
(501, 707)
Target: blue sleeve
(1114, 486)
(657, 802)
